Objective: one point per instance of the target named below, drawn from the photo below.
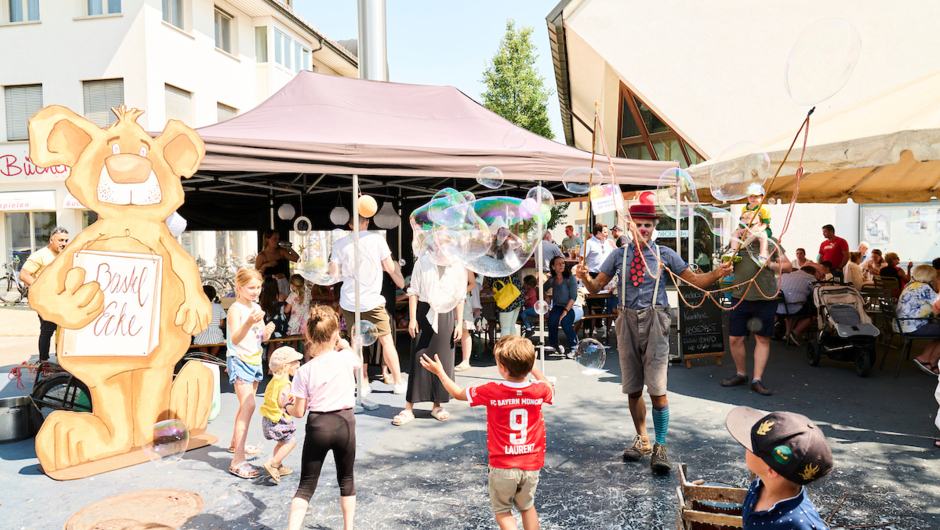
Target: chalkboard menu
(700, 329)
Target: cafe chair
(889, 312)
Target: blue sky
(446, 43)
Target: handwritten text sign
(700, 327)
(130, 321)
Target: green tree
(514, 88)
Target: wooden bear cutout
(126, 295)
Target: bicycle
(13, 290)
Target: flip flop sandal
(440, 414)
(403, 417)
(927, 368)
(244, 470)
(249, 450)
(388, 379)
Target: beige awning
(883, 149)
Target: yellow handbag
(505, 295)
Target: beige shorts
(512, 486)
(377, 316)
(643, 345)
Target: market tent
(884, 149)
(318, 130)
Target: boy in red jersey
(515, 428)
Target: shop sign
(26, 201)
(71, 203)
(671, 233)
(15, 166)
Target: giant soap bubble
(315, 264)
(738, 171)
(676, 184)
(591, 355)
(165, 442)
(822, 60)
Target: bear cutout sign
(126, 295)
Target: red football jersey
(515, 428)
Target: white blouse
(442, 291)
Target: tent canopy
(884, 149)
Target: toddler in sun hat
(786, 451)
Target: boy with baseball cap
(786, 451)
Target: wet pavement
(430, 474)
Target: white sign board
(25, 201)
(129, 325)
(606, 198)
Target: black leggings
(334, 430)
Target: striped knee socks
(661, 423)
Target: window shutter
(100, 98)
(179, 105)
(226, 112)
(21, 103)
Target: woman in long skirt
(435, 300)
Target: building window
(282, 49)
(644, 136)
(226, 112)
(28, 232)
(223, 30)
(298, 57)
(103, 7)
(306, 64)
(179, 105)
(22, 10)
(261, 44)
(21, 103)
(100, 98)
(173, 12)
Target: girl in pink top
(324, 388)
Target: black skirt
(423, 386)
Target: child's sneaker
(284, 470)
(273, 471)
(732, 259)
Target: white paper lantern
(286, 212)
(339, 215)
(387, 218)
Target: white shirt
(595, 252)
(374, 249)
(441, 291)
(327, 381)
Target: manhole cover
(151, 509)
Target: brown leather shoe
(759, 387)
(659, 461)
(734, 380)
(638, 450)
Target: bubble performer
(644, 314)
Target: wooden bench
(289, 338)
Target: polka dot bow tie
(637, 270)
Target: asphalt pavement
(432, 475)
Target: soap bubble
(739, 171)
(672, 182)
(754, 324)
(402, 262)
(232, 505)
(366, 334)
(591, 355)
(822, 60)
(490, 177)
(754, 250)
(578, 180)
(347, 250)
(539, 201)
(165, 442)
(515, 138)
(541, 307)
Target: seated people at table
(571, 240)
(549, 250)
(596, 251)
(801, 259)
(565, 307)
(919, 301)
(891, 270)
(824, 268)
(873, 265)
(852, 273)
(796, 287)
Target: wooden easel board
(701, 333)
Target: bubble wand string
(587, 218)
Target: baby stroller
(845, 330)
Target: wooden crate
(691, 514)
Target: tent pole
(539, 275)
(271, 206)
(678, 220)
(355, 327)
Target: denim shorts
(241, 371)
(752, 316)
